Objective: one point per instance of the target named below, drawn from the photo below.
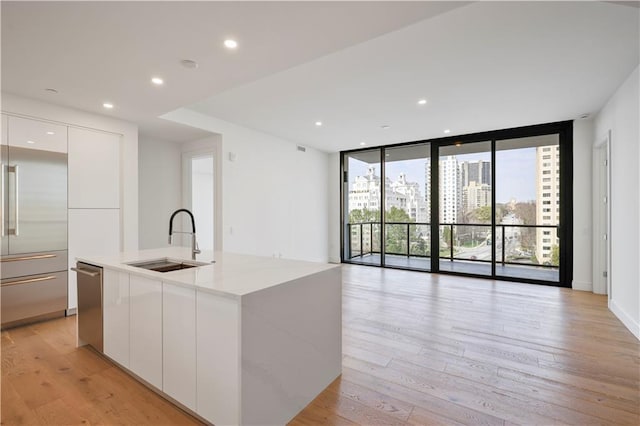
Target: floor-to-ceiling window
(494, 204)
(362, 200)
(465, 208)
(407, 211)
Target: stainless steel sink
(167, 265)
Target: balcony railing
(516, 244)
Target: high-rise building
(548, 200)
(427, 188)
(450, 189)
(475, 171)
(475, 195)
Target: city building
(365, 193)
(450, 189)
(548, 200)
(475, 195)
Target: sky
(515, 172)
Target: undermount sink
(167, 265)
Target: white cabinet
(218, 356)
(115, 311)
(179, 343)
(145, 356)
(91, 232)
(94, 169)
(34, 134)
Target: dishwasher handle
(85, 272)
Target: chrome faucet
(194, 244)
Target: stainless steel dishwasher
(89, 305)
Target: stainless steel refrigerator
(33, 221)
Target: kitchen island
(244, 340)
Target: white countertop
(232, 275)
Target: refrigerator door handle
(16, 186)
(17, 203)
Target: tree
(364, 215)
(526, 212)
(396, 235)
(555, 255)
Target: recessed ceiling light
(51, 133)
(422, 101)
(107, 105)
(318, 123)
(447, 131)
(363, 143)
(30, 142)
(51, 90)
(188, 63)
(157, 81)
(385, 127)
(458, 143)
(230, 44)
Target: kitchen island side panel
(291, 346)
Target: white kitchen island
(245, 340)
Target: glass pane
(528, 207)
(465, 208)
(407, 210)
(362, 207)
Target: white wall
(621, 116)
(582, 206)
(129, 152)
(276, 199)
(160, 189)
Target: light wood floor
(419, 349)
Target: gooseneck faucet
(194, 244)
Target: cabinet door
(218, 354)
(115, 304)
(145, 359)
(94, 169)
(91, 232)
(179, 344)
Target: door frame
(601, 190)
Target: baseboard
(71, 311)
(582, 285)
(630, 323)
(334, 259)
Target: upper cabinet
(94, 169)
(34, 134)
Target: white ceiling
(353, 65)
(93, 52)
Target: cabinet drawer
(33, 264)
(33, 296)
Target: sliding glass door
(362, 201)
(407, 211)
(466, 242)
(496, 204)
(528, 214)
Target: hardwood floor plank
(418, 349)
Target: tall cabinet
(66, 202)
(94, 197)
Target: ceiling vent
(302, 148)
